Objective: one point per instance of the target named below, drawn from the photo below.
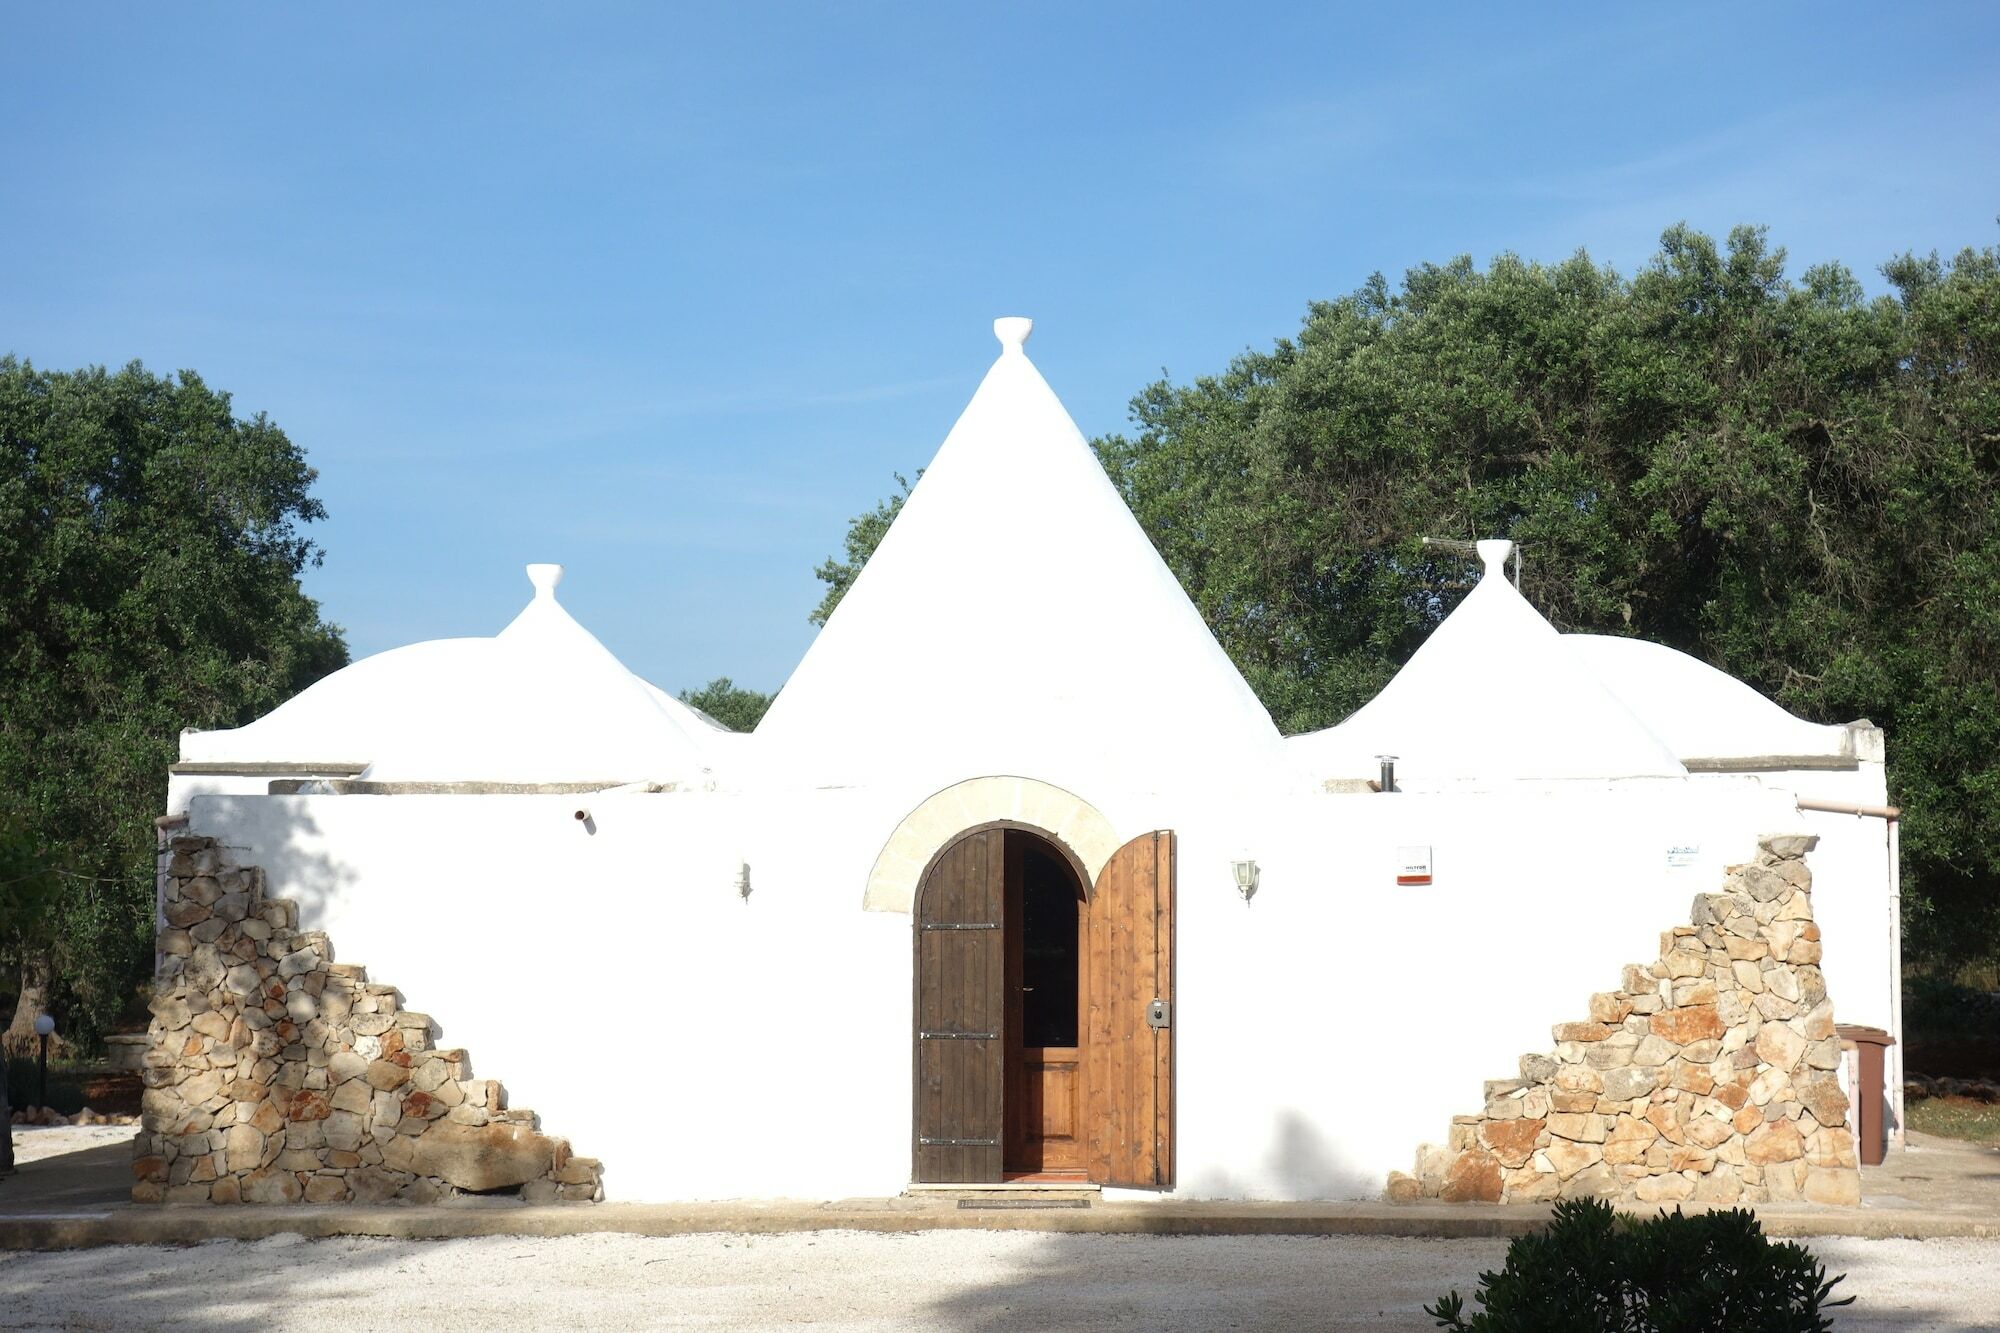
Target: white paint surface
(1700, 712)
(1493, 695)
(542, 701)
(708, 1047)
(1015, 650)
(1016, 619)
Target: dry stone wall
(277, 1075)
(1709, 1074)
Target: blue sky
(666, 293)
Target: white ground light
(836, 1280)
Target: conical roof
(1015, 619)
(541, 702)
(1701, 712)
(1494, 694)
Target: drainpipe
(1892, 818)
(1896, 962)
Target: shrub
(1593, 1271)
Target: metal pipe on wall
(1892, 818)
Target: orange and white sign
(1413, 865)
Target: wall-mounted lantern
(1246, 877)
(743, 880)
(45, 1027)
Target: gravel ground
(849, 1281)
(32, 1143)
(957, 1280)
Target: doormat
(1024, 1203)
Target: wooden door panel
(1054, 1080)
(960, 1013)
(1129, 961)
(1050, 1115)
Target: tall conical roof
(1494, 694)
(1015, 619)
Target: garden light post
(44, 1025)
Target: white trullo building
(1016, 879)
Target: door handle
(1160, 1015)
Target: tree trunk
(19, 1038)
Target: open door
(1129, 1037)
(961, 978)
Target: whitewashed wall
(708, 1047)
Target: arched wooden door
(1128, 1032)
(962, 1012)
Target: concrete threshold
(154, 1225)
(1010, 1187)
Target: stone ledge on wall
(276, 1075)
(1708, 1075)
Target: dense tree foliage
(149, 563)
(728, 703)
(1782, 477)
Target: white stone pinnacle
(545, 578)
(1013, 331)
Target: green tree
(1783, 478)
(150, 556)
(864, 534)
(724, 701)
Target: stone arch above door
(1063, 815)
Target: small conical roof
(1700, 711)
(1015, 619)
(550, 704)
(541, 702)
(1494, 694)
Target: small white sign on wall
(1413, 865)
(1683, 854)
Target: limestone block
(1473, 1177)
(385, 1075)
(1832, 1185)
(1627, 1083)
(1592, 1182)
(1609, 1007)
(1433, 1161)
(494, 1156)
(1821, 1095)
(1538, 1068)
(244, 1148)
(1670, 1188)
(1774, 1142)
(1511, 1142)
(1778, 1046)
(1681, 1026)
(271, 1185)
(1831, 1147)
(1566, 1157)
(327, 1187)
